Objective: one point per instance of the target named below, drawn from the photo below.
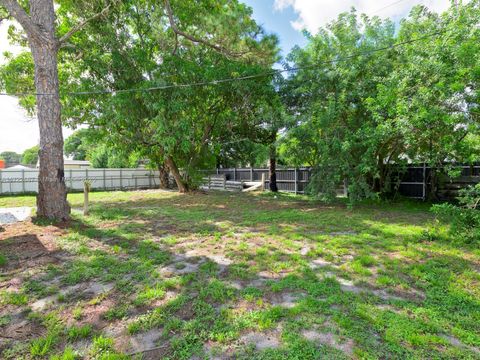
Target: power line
(387, 6)
(240, 78)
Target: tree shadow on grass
(196, 300)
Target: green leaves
(136, 48)
(362, 114)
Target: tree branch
(19, 14)
(192, 38)
(81, 25)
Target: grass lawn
(158, 275)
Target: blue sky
(287, 18)
(278, 22)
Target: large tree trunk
(52, 193)
(164, 176)
(273, 168)
(181, 184)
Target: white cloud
(18, 131)
(313, 14)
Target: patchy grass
(161, 275)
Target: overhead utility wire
(240, 78)
(387, 6)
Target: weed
(117, 312)
(68, 354)
(43, 346)
(82, 332)
(3, 260)
(13, 298)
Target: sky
(286, 18)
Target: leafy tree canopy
(136, 49)
(358, 111)
(11, 157)
(30, 156)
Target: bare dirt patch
(262, 340)
(330, 339)
(27, 245)
(285, 299)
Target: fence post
(224, 183)
(251, 174)
(71, 180)
(345, 187)
(234, 174)
(424, 188)
(104, 180)
(150, 179)
(23, 181)
(263, 181)
(209, 179)
(296, 181)
(121, 179)
(217, 171)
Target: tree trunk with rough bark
(164, 176)
(181, 184)
(273, 168)
(52, 192)
(39, 25)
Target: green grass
(42, 346)
(13, 298)
(79, 332)
(376, 281)
(3, 260)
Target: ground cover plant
(156, 275)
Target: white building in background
(76, 164)
(18, 167)
(73, 164)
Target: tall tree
(11, 157)
(433, 91)
(39, 26)
(328, 99)
(30, 156)
(368, 99)
(175, 127)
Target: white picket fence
(26, 181)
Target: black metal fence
(413, 182)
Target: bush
(464, 218)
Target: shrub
(464, 218)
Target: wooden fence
(293, 180)
(220, 182)
(26, 181)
